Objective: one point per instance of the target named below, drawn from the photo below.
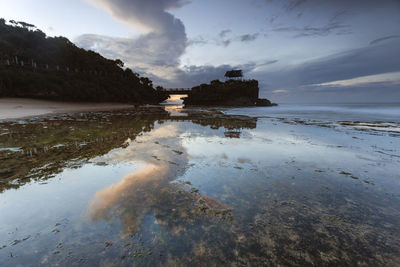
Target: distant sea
(375, 116)
(363, 112)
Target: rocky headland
(33, 65)
(230, 93)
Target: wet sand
(12, 108)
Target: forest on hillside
(37, 66)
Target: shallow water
(165, 186)
(364, 112)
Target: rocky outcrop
(263, 102)
(229, 93)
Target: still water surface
(171, 186)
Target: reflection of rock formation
(47, 146)
(39, 149)
(216, 119)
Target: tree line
(38, 66)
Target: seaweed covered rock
(229, 93)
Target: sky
(299, 50)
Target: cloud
(221, 39)
(200, 40)
(223, 33)
(161, 68)
(294, 4)
(369, 60)
(310, 18)
(189, 76)
(249, 37)
(385, 78)
(365, 69)
(157, 50)
(151, 16)
(376, 41)
(156, 53)
(327, 19)
(370, 93)
(265, 63)
(151, 54)
(116, 194)
(279, 91)
(272, 19)
(226, 42)
(306, 31)
(269, 62)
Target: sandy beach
(12, 108)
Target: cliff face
(229, 93)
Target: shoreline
(19, 108)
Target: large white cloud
(157, 50)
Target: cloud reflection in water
(137, 192)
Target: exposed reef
(229, 93)
(39, 148)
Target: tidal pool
(155, 186)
